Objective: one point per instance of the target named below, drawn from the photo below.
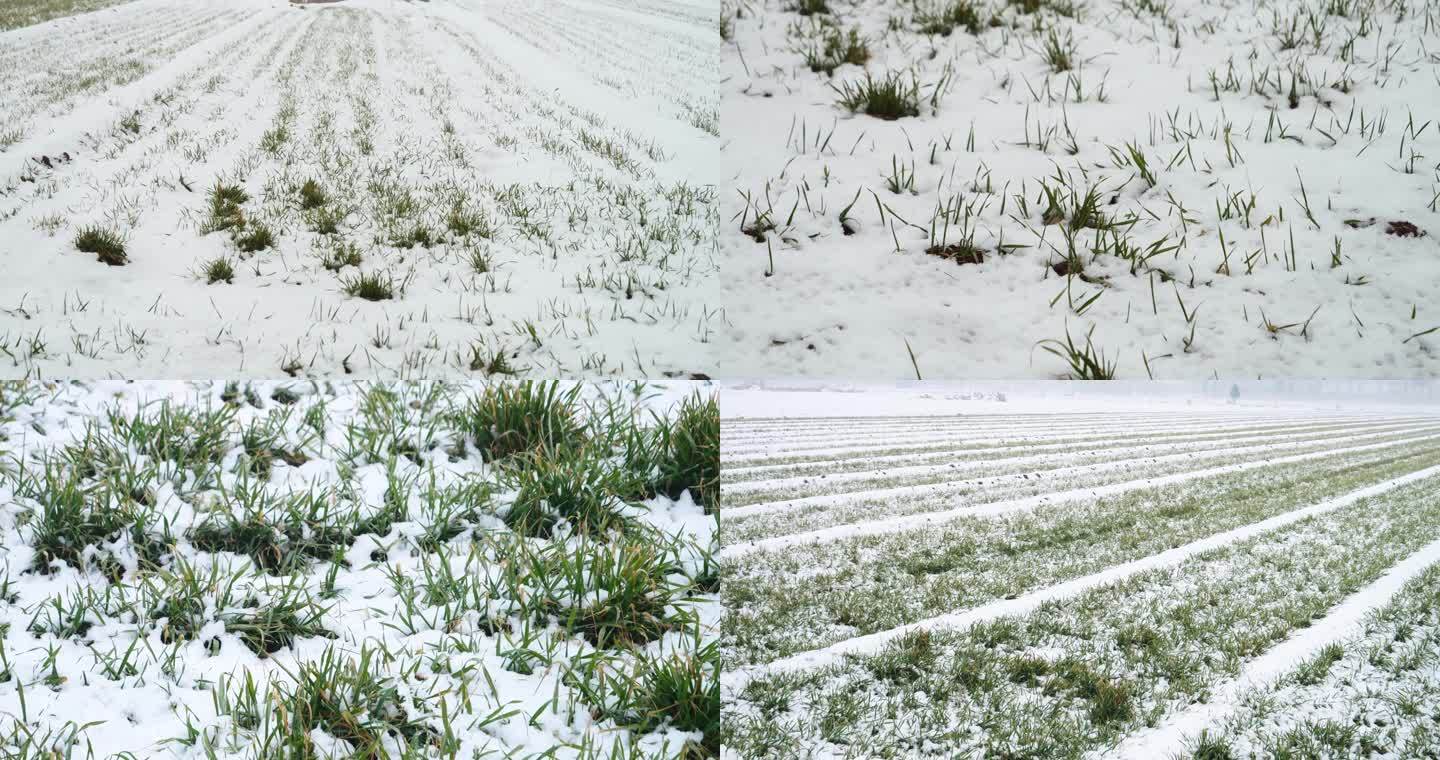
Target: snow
(1344, 620)
(873, 643)
(577, 128)
(1149, 450)
(910, 522)
(180, 687)
(1116, 461)
(1242, 130)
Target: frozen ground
(1120, 580)
(1166, 189)
(352, 570)
(190, 188)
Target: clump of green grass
(1076, 210)
(312, 196)
(690, 452)
(346, 696)
(218, 269)
(106, 244)
(72, 517)
(479, 261)
(906, 659)
(256, 238)
(371, 286)
(1210, 747)
(225, 207)
(511, 418)
(1110, 700)
(634, 574)
(268, 629)
(944, 18)
(680, 690)
(1059, 52)
(325, 220)
(489, 361)
(263, 444)
(1314, 670)
(279, 536)
(1086, 362)
(464, 222)
(571, 485)
(340, 255)
(195, 440)
(417, 234)
(810, 7)
(838, 48)
(890, 98)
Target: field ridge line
(1052, 446)
(1025, 603)
(1145, 450)
(1001, 507)
(793, 447)
(1345, 620)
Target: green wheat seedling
(105, 243)
(678, 690)
(225, 208)
(836, 49)
(276, 625)
(570, 485)
(371, 286)
(942, 18)
(893, 97)
(1059, 52)
(312, 195)
(346, 695)
(686, 451)
(636, 608)
(218, 269)
(256, 237)
(71, 516)
(325, 219)
(1085, 362)
(810, 7)
(509, 419)
(340, 254)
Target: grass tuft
(889, 98)
(946, 18)
(106, 244)
(690, 451)
(218, 269)
(340, 255)
(1086, 363)
(570, 485)
(256, 238)
(371, 286)
(312, 196)
(225, 207)
(509, 419)
(839, 48)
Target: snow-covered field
(194, 188)
(286, 569)
(964, 188)
(1151, 579)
